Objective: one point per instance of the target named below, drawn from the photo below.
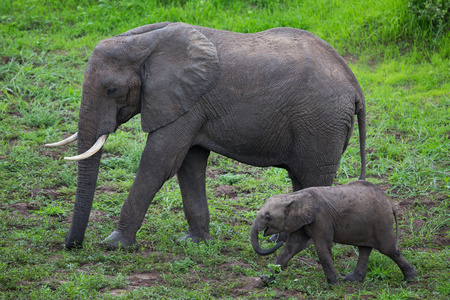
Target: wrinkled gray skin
(282, 97)
(358, 213)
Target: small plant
(183, 266)
(56, 210)
(230, 178)
(431, 14)
(40, 117)
(274, 268)
(443, 287)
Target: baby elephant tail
(394, 211)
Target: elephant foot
(195, 238)
(268, 279)
(353, 277)
(118, 240)
(410, 274)
(332, 282)
(69, 244)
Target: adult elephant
(281, 97)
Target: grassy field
(401, 57)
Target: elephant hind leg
(310, 175)
(359, 272)
(191, 178)
(296, 185)
(409, 272)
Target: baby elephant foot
(268, 280)
(410, 274)
(118, 240)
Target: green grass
(402, 64)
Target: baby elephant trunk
(255, 243)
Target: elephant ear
(181, 67)
(145, 28)
(300, 210)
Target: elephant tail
(361, 114)
(394, 211)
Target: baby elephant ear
(182, 66)
(300, 210)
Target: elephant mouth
(268, 231)
(257, 247)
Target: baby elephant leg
(359, 272)
(409, 272)
(323, 249)
(296, 242)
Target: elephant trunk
(255, 242)
(86, 182)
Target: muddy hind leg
(409, 272)
(359, 272)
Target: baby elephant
(358, 213)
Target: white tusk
(94, 149)
(69, 140)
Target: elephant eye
(111, 91)
(267, 216)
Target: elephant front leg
(296, 242)
(158, 164)
(191, 178)
(144, 188)
(323, 249)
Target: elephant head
(158, 70)
(283, 213)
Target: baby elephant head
(283, 213)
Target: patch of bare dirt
(116, 292)
(51, 194)
(95, 216)
(422, 207)
(12, 142)
(144, 279)
(249, 284)
(106, 189)
(225, 190)
(53, 154)
(23, 209)
(229, 266)
(212, 173)
(442, 237)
